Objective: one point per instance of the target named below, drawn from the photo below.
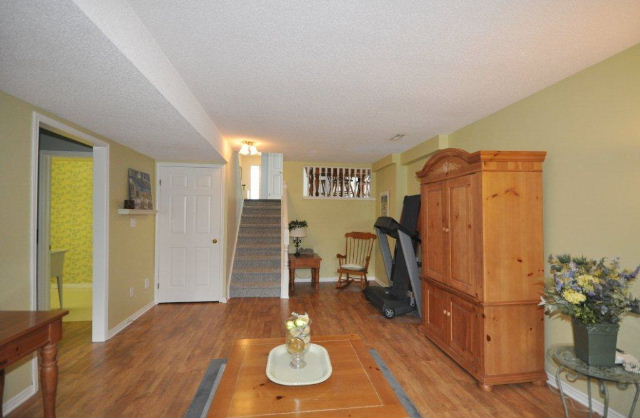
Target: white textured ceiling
(54, 56)
(316, 80)
(333, 80)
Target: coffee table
(357, 387)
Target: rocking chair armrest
(341, 256)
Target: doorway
(65, 225)
(262, 176)
(250, 175)
(76, 146)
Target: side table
(304, 261)
(25, 332)
(567, 362)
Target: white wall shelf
(136, 212)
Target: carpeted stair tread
(259, 234)
(257, 264)
(256, 257)
(256, 269)
(255, 292)
(264, 239)
(258, 284)
(261, 264)
(260, 226)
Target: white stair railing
(284, 216)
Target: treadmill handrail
(390, 226)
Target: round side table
(574, 368)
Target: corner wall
(125, 270)
(329, 219)
(589, 124)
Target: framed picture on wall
(384, 203)
(140, 189)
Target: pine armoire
(483, 262)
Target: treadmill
(403, 270)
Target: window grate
(336, 182)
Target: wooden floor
(153, 368)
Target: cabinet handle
(445, 229)
(444, 312)
(448, 313)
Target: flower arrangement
(592, 291)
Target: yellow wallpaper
(72, 215)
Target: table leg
(635, 400)
(605, 394)
(589, 396)
(292, 280)
(2, 391)
(316, 278)
(559, 384)
(49, 378)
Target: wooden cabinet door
(462, 338)
(434, 237)
(460, 231)
(436, 320)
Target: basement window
(336, 183)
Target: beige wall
(387, 178)
(590, 126)
(246, 161)
(329, 219)
(15, 186)
(233, 206)
(131, 250)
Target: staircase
(257, 264)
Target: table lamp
(297, 234)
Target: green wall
(329, 219)
(589, 124)
(15, 185)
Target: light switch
(132, 222)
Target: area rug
(204, 396)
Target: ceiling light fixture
(248, 148)
(397, 137)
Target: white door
(190, 241)
(271, 176)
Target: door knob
(215, 241)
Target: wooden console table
(22, 333)
(304, 261)
(357, 388)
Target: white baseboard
(137, 314)
(582, 397)
(19, 399)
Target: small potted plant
(297, 231)
(595, 294)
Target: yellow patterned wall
(72, 215)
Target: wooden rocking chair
(355, 261)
